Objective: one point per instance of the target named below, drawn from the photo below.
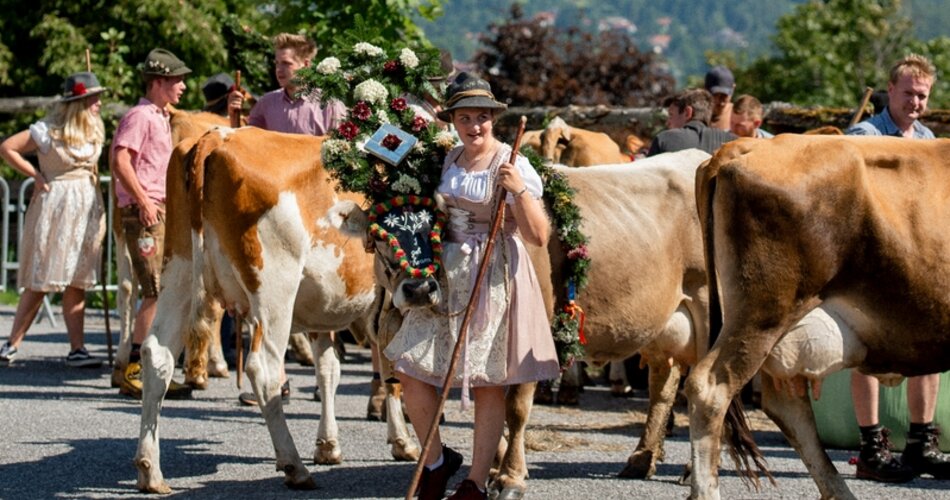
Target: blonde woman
(64, 225)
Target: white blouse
(39, 131)
(474, 186)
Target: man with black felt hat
(141, 149)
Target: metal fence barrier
(9, 264)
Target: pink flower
(391, 66)
(348, 130)
(362, 111)
(578, 252)
(391, 142)
(399, 104)
(79, 89)
(419, 123)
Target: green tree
(829, 51)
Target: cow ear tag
(390, 144)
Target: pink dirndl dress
(509, 337)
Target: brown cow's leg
(664, 380)
(513, 470)
(793, 414)
(217, 366)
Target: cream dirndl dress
(63, 229)
(509, 337)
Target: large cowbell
(413, 234)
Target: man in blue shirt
(908, 90)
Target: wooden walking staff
(496, 222)
(864, 103)
(236, 123)
(103, 263)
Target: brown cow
(646, 292)
(576, 147)
(853, 225)
(247, 226)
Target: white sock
(437, 463)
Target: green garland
(567, 324)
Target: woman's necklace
(477, 160)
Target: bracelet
(519, 193)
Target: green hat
(161, 62)
(468, 91)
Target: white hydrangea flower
(371, 91)
(407, 185)
(368, 49)
(328, 66)
(382, 116)
(445, 140)
(333, 149)
(408, 58)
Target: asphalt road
(64, 433)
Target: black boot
(875, 461)
(922, 453)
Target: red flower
(348, 130)
(391, 66)
(362, 111)
(79, 89)
(419, 123)
(391, 142)
(399, 104)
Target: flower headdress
(378, 86)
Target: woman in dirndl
(509, 338)
(62, 233)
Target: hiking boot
(7, 353)
(468, 490)
(923, 455)
(80, 358)
(131, 384)
(433, 482)
(876, 462)
(250, 399)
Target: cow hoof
(200, 382)
(303, 482)
(117, 375)
(567, 396)
(405, 451)
(149, 480)
(544, 395)
(510, 493)
(327, 452)
(619, 389)
(640, 465)
(219, 370)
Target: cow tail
(738, 436)
(202, 311)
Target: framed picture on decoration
(390, 144)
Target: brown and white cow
(854, 226)
(249, 229)
(647, 290)
(210, 362)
